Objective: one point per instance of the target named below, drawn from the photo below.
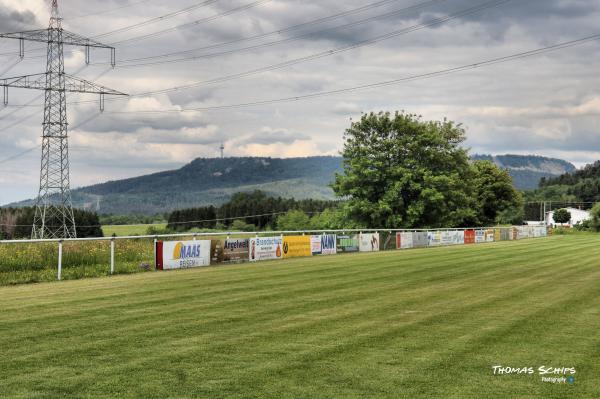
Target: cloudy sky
(547, 105)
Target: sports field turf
(425, 323)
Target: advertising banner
(479, 236)
(506, 234)
(347, 243)
(368, 242)
(328, 244)
(234, 250)
(315, 245)
(540, 231)
(522, 232)
(419, 239)
(296, 246)
(434, 238)
(264, 248)
(452, 237)
(387, 241)
(404, 240)
(489, 235)
(469, 236)
(497, 234)
(182, 254)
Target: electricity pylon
(54, 209)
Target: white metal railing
(228, 234)
(238, 233)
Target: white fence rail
(294, 244)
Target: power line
(193, 23)
(289, 39)
(159, 19)
(179, 223)
(327, 53)
(106, 11)
(275, 32)
(18, 155)
(137, 25)
(442, 72)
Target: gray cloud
(533, 105)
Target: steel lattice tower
(54, 209)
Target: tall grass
(36, 262)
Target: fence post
(60, 250)
(112, 256)
(154, 251)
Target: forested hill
(212, 181)
(580, 186)
(528, 170)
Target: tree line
(16, 223)
(255, 210)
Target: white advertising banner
(264, 248)
(315, 245)
(406, 240)
(452, 237)
(182, 254)
(434, 238)
(368, 242)
(479, 236)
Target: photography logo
(553, 375)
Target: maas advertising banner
(235, 250)
(327, 244)
(347, 243)
(264, 248)
(296, 246)
(182, 254)
(368, 242)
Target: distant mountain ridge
(212, 181)
(527, 170)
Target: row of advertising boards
(184, 254)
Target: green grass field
(129, 230)
(426, 323)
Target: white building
(577, 216)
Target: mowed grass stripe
(108, 313)
(348, 326)
(258, 277)
(184, 310)
(91, 339)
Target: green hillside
(427, 323)
(582, 185)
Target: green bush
(594, 222)
(562, 216)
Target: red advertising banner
(469, 236)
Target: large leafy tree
(402, 171)
(497, 199)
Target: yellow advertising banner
(296, 246)
(497, 235)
